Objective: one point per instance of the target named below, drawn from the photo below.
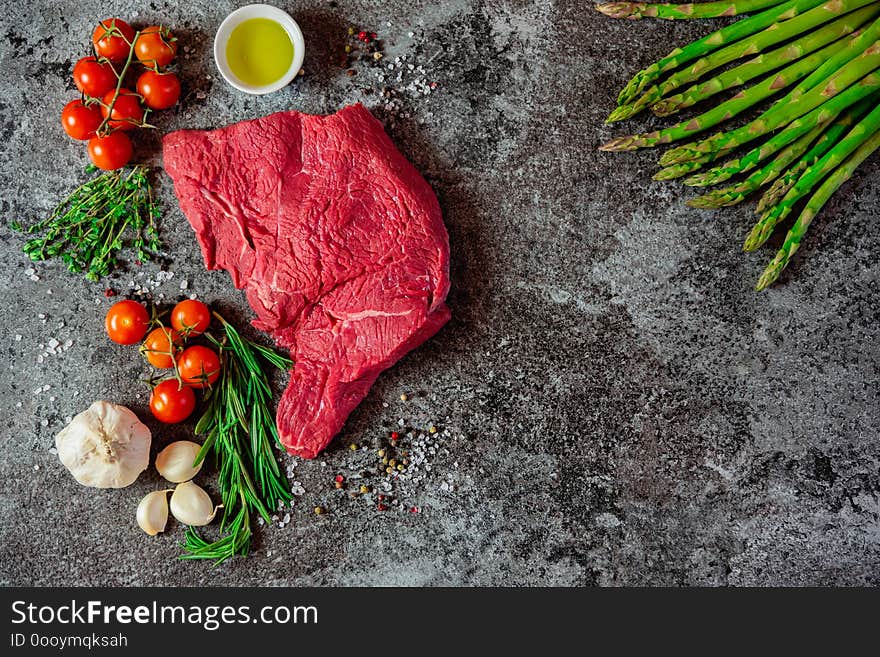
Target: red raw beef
(335, 237)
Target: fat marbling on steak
(335, 237)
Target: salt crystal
(68, 344)
(45, 423)
(46, 387)
(18, 405)
(400, 422)
(36, 467)
(41, 316)
(51, 399)
(192, 296)
(286, 518)
(18, 338)
(49, 291)
(29, 271)
(40, 358)
(184, 285)
(52, 450)
(53, 343)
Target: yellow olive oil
(259, 51)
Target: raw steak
(335, 237)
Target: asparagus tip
(630, 10)
(620, 113)
(626, 143)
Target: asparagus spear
(812, 208)
(776, 33)
(828, 139)
(803, 124)
(728, 109)
(858, 43)
(683, 169)
(852, 74)
(672, 11)
(737, 193)
(729, 34)
(765, 63)
(812, 176)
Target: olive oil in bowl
(259, 49)
(259, 52)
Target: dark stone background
(616, 405)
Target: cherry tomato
(80, 121)
(160, 346)
(191, 317)
(126, 322)
(108, 39)
(127, 109)
(155, 46)
(160, 90)
(94, 78)
(171, 402)
(198, 366)
(110, 152)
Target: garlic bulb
(105, 446)
(175, 462)
(191, 505)
(152, 512)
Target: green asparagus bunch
(814, 64)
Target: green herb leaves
(240, 429)
(88, 229)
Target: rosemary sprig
(89, 228)
(240, 429)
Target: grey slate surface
(620, 406)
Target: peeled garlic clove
(191, 505)
(152, 512)
(175, 462)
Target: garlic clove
(175, 462)
(152, 512)
(191, 505)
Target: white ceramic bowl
(258, 11)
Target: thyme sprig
(100, 218)
(240, 430)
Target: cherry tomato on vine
(191, 317)
(171, 402)
(160, 90)
(126, 322)
(127, 110)
(198, 366)
(108, 39)
(80, 121)
(94, 78)
(155, 46)
(161, 345)
(111, 152)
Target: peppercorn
(403, 397)
(381, 452)
(392, 462)
(362, 36)
(400, 467)
(338, 484)
(432, 429)
(318, 510)
(389, 470)
(394, 435)
(353, 447)
(406, 461)
(365, 489)
(385, 461)
(339, 479)
(350, 31)
(382, 507)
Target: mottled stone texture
(622, 408)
